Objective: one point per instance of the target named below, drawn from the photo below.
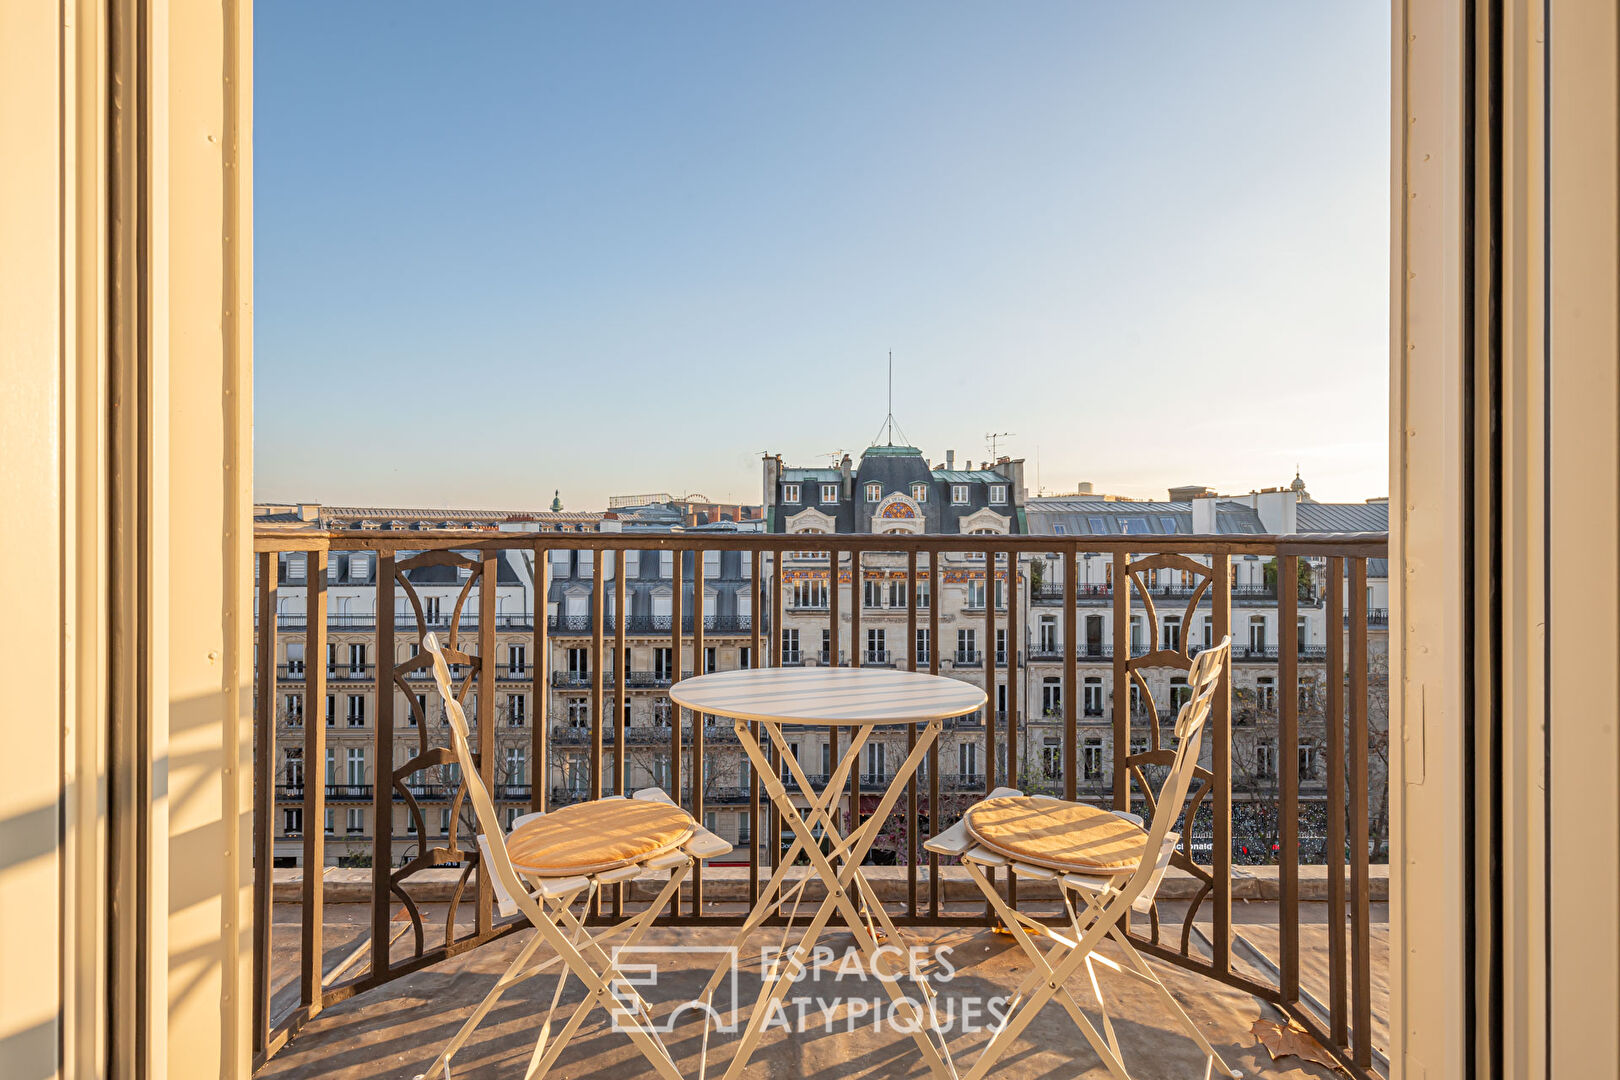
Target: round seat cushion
(591, 837)
(1058, 835)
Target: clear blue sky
(625, 247)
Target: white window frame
(790, 493)
(998, 494)
(874, 492)
(829, 494)
(919, 492)
(959, 494)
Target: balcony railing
(643, 625)
(992, 745)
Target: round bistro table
(862, 700)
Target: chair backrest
(483, 806)
(1204, 680)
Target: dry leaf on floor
(1291, 1040)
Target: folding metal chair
(600, 847)
(1104, 864)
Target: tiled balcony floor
(396, 1030)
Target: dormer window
(919, 493)
(998, 494)
(959, 496)
(874, 493)
(829, 493)
(790, 493)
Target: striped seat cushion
(1058, 835)
(591, 837)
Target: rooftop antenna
(992, 439)
(887, 431)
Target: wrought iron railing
(985, 751)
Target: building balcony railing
(649, 624)
(975, 754)
(367, 620)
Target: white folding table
(861, 700)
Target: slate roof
(1316, 517)
(1101, 517)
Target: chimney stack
(950, 459)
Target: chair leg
(1136, 960)
(1047, 982)
(506, 981)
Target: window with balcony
(1307, 692)
(877, 646)
(1257, 634)
(967, 649)
(959, 494)
(1265, 693)
(517, 710)
(877, 765)
(1051, 759)
(1265, 759)
(295, 658)
(517, 765)
(1001, 644)
(420, 710)
(790, 493)
(357, 710)
(517, 659)
(354, 821)
(922, 645)
(1092, 695)
(293, 768)
(790, 646)
(355, 765)
(1051, 696)
(331, 710)
(1046, 634)
(1180, 692)
(357, 659)
(1170, 633)
(967, 759)
(663, 712)
(292, 820)
(829, 493)
(1091, 758)
(1307, 760)
(293, 709)
(826, 647)
(874, 493)
(663, 664)
(578, 712)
